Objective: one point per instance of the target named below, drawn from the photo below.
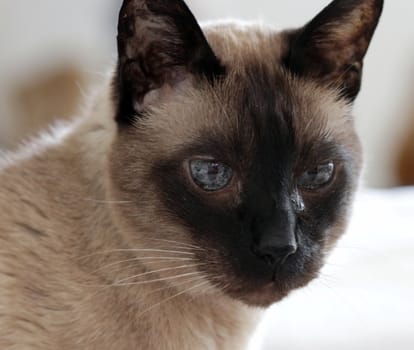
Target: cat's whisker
(175, 242)
(222, 288)
(136, 250)
(103, 201)
(129, 267)
(159, 262)
(156, 271)
(154, 280)
(217, 282)
(156, 250)
(214, 287)
(191, 280)
(173, 297)
(181, 245)
(147, 259)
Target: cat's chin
(266, 294)
(263, 297)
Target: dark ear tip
(348, 26)
(159, 43)
(379, 6)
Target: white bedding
(365, 297)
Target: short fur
(105, 242)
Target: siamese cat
(208, 179)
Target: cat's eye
(210, 175)
(321, 175)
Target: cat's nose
(274, 237)
(275, 251)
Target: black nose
(275, 238)
(274, 254)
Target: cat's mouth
(260, 286)
(261, 297)
(265, 294)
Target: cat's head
(236, 147)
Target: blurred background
(54, 51)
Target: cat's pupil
(210, 175)
(317, 177)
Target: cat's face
(240, 154)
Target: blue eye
(210, 175)
(317, 177)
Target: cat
(210, 177)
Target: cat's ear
(332, 46)
(160, 44)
